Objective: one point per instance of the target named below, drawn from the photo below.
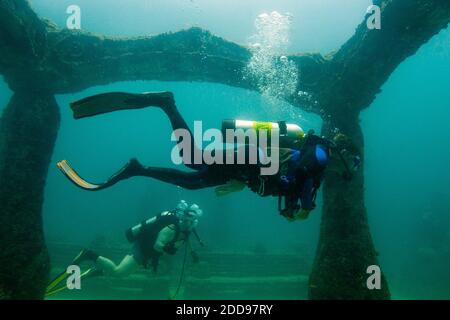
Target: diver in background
(162, 234)
(302, 161)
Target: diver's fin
(91, 272)
(84, 255)
(75, 178)
(131, 169)
(52, 292)
(114, 101)
(56, 281)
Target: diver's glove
(170, 249)
(292, 215)
(302, 214)
(288, 214)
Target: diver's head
(345, 156)
(189, 217)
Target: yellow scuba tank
(289, 133)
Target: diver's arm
(194, 231)
(307, 195)
(306, 200)
(165, 236)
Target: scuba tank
(289, 133)
(152, 225)
(133, 233)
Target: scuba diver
(152, 238)
(162, 234)
(303, 158)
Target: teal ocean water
(251, 251)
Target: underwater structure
(39, 60)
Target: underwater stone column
(345, 248)
(28, 131)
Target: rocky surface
(28, 132)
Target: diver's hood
(194, 212)
(182, 205)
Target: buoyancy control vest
(295, 166)
(147, 232)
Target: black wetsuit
(144, 251)
(301, 170)
(300, 174)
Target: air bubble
(276, 77)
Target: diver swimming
(303, 158)
(163, 234)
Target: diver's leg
(114, 101)
(167, 104)
(179, 125)
(189, 180)
(126, 266)
(105, 264)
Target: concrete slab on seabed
(219, 275)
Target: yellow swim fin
(55, 282)
(75, 178)
(59, 284)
